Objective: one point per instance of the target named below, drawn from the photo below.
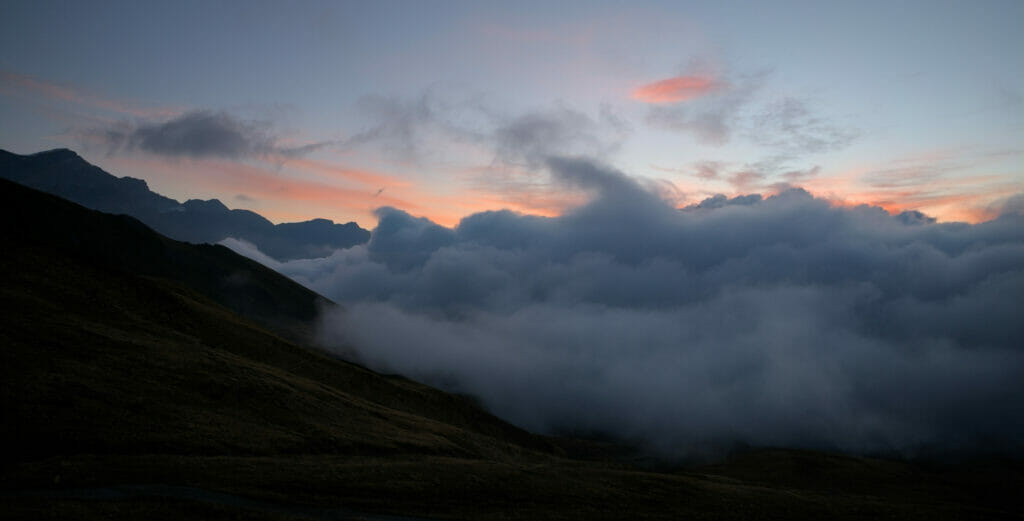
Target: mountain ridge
(64, 173)
(120, 242)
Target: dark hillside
(58, 228)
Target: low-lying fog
(768, 321)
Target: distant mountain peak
(209, 205)
(64, 173)
(57, 153)
(319, 222)
(136, 181)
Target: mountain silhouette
(123, 243)
(64, 173)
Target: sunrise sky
(443, 109)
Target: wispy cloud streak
(675, 90)
(15, 84)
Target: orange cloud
(674, 90)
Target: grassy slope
(112, 374)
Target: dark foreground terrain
(143, 378)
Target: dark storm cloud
(770, 321)
(199, 134)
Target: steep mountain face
(64, 173)
(34, 220)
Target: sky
(683, 224)
(446, 109)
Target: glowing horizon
(448, 211)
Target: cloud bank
(768, 321)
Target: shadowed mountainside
(64, 173)
(124, 365)
(58, 228)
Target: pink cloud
(14, 84)
(745, 181)
(674, 90)
(361, 176)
